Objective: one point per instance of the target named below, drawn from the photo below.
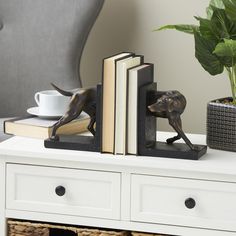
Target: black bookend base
(147, 144)
(80, 142)
(74, 142)
(176, 150)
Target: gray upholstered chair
(41, 42)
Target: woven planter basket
(20, 228)
(221, 126)
(147, 234)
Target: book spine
(144, 76)
(108, 101)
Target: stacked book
(123, 75)
(35, 127)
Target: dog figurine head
(168, 102)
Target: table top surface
(214, 161)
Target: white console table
(121, 192)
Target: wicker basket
(146, 234)
(21, 228)
(221, 126)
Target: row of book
(123, 75)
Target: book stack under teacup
(36, 127)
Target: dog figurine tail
(63, 92)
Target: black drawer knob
(60, 191)
(190, 203)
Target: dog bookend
(82, 100)
(169, 105)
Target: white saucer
(35, 111)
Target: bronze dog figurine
(171, 105)
(81, 100)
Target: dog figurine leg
(178, 129)
(72, 113)
(177, 137)
(64, 120)
(172, 140)
(91, 125)
(91, 111)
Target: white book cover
(121, 101)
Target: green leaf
(221, 24)
(189, 29)
(217, 3)
(230, 8)
(213, 5)
(207, 29)
(204, 53)
(218, 27)
(209, 12)
(226, 48)
(225, 52)
(226, 61)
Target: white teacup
(51, 103)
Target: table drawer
(183, 202)
(63, 191)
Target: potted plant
(215, 49)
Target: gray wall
(126, 25)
